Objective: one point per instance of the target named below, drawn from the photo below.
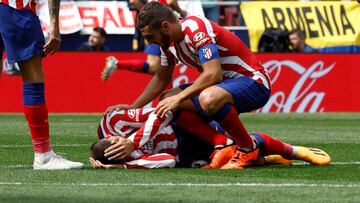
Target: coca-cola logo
(301, 97)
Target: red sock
(133, 65)
(193, 123)
(275, 146)
(229, 120)
(37, 117)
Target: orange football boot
(277, 160)
(220, 157)
(242, 159)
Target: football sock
(193, 124)
(36, 115)
(134, 65)
(228, 118)
(270, 146)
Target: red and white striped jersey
(20, 4)
(236, 59)
(149, 133)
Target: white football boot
(110, 67)
(52, 161)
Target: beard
(165, 40)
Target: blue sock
(201, 111)
(33, 94)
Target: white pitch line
(332, 163)
(54, 145)
(296, 164)
(185, 184)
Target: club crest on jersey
(198, 36)
(131, 113)
(207, 52)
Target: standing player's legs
(25, 47)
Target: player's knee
(208, 101)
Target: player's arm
(137, 3)
(175, 6)
(54, 40)
(156, 86)
(212, 73)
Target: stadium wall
(301, 83)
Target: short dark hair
(300, 33)
(100, 30)
(153, 14)
(97, 151)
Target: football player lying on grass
(137, 138)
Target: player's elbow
(214, 77)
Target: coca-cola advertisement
(300, 83)
(312, 82)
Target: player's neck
(179, 35)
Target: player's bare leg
(37, 116)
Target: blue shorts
(21, 34)
(248, 94)
(153, 49)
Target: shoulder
(193, 23)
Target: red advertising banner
(301, 83)
(313, 82)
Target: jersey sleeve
(202, 37)
(124, 122)
(152, 127)
(152, 161)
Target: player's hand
(118, 107)
(54, 42)
(120, 150)
(97, 164)
(166, 105)
(183, 13)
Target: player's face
(151, 35)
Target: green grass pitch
(337, 134)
